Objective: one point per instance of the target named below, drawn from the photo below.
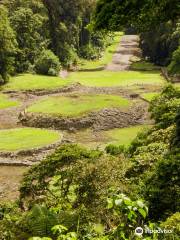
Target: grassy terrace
(106, 58)
(5, 102)
(26, 138)
(111, 79)
(117, 136)
(149, 96)
(76, 105)
(33, 81)
(123, 136)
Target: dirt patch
(10, 178)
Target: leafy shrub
(40, 220)
(172, 223)
(164, 108)
(161, 185)
(47, 63)
(90, 52)
(114, 149)
(174, 66)
(75, 179)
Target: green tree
(8, 45)
(30, 38)
(114, 14)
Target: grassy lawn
(149, 96)
(110, 79)
(33, 81)
(26, 138)
(123, 136)
(76, 105)
(107, 56)
(117, 136)
(5, 102)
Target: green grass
(177, 85)
(123, 136)
(107, 56)
(26, 138)
(110, 79)
(149, 96)
(5, 102)
(76, 105)
(144, 66)
(33, 81)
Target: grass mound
(149, 96)
(26, 138)
(123, 136)
(35, 82)
(112, 79)
(76, 105)
(6, 103)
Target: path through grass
(76, 105)
(26, 138)
(33, 81)
(107, 55)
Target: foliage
(111, 44)
(109, 14)
(164, 107)
(115, 150)
(31, 40)
(131, 215)
(47, 63)
(160, 42)
(162, 184)
(61, 183)
(8, 46)
(68, 22)
(89, 52)
(172, 223)
(174, 67)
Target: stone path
(128, 48)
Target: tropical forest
(89, 119)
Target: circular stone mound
(27, 138)
(77, 105)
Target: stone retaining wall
(41, 92)
(102, 120)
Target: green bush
(172, 223)
(90, 52)
(174, 66)
(164, 107)
(47, 64)
(114, 149)
(162, 189)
